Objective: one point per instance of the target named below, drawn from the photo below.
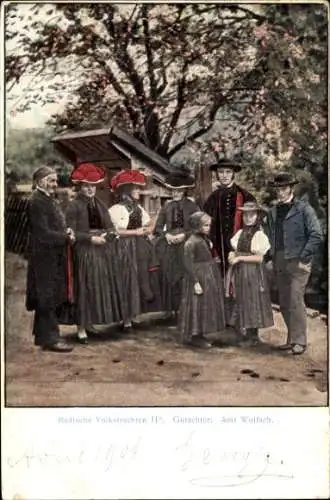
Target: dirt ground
(150, 368)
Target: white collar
(226, 186)
(43, 191)
(289, 200)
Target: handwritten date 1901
(108, 456)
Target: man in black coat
(47, 247)
(222, 205)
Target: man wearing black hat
(46, 280)
(295, 236)
(223, 206)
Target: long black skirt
(139, 277)
(252, 306)
(96, 286)
(202, 314)
(171, 260)
(129, 294)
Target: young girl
(134, 248)
(171, 229)
(95, 271)
(202, 305)
(247, 278)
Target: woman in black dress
(96, 293)
(134, 247)
(171, 231)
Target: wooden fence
(16, 225)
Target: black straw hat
(179, 180)
(284, 179)
(223, 163)
(252, 206)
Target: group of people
(206, 266)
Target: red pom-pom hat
(128, 177)
(89, 173)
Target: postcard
(164, 252)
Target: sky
(37, 115)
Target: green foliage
(28, 149)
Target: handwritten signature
(216, 467)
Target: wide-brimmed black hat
(252, 206)
(179, 180)
(223, 163)
(284, 179)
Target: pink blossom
(260, 32)
(315, 78)
(287, 36)
(215, 146)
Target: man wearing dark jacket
(223, 206)
(295, 236)
(46, 280)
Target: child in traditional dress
(246, 278)
(202, 305)
(95, 269)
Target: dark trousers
(291, 283)
(45, 327)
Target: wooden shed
(115, 149)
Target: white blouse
(259, 243)
(120, 216)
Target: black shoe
(200, 342)
(82, 340)
(249, 342)
(92, 331)
(58, 346)
(285, 347)
(138, 325)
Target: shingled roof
(107, 146)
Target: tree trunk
(203, 189)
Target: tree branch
(181, 101)
(213, 111)
(150, 62)
(119, 89)
(163, 85)
(259, 17)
